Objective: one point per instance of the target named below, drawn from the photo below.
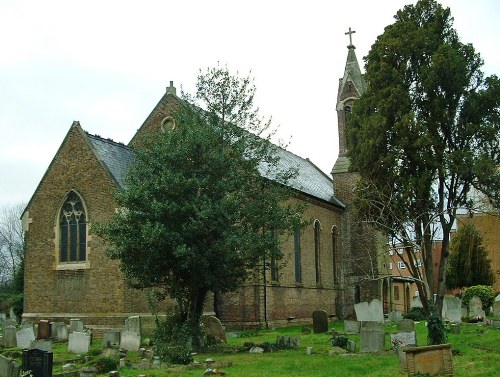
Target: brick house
(330, 265)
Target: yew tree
(423, 135)
(206, 201)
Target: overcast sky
(107, 63)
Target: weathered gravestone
(351, 327)
(24, 337)
(403, 339)
(12, 315)
(3, 318)
(130, 341)
(405, 325)
(372, 337)
(370, 312)
(42, 345)
(43, 329)
(111, 339)
(38, 362)
(9, 336)
(496, 309)
(416, 302)
(59, 331)
(8, 367)
(320, 321)
(292, 342)
(79, 342)
(213, 327)
(133, 324)
(452, 309)
(476, 307)
(75, 324)
(395, 315)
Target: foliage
(485, 293)
(423, 135)
(105, 364)
(173, 338)
(198, 216)
(469, 264)
(340, 341)
(415, 314)
(436, 331)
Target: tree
(198, 214)
(425, 132)
(469, 264)
(11, 242)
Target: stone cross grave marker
(24, 337)
(370, 312)
(79, 342)
(320, 321)
(372, 337)
(38, 362)
(214, 328)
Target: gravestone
(455, 328)
(1, 341)
(372, 337)
(43, 329)
(12, 315)
(213, 327)
(476, 307)
(133, 324)
(496, 309)
(79, 342)
(59, 331)
(38, 362)
(8, 367)
(452, 309)
(130, 341)
(10, 322)
(111, 339)
(351, 327)
(395, 315)
(42, 345)
(3, 318)
(75, 324)
(370, 312)
(291, 342)
(416, 302)
(24, 337)
(9, 336)
(320, 321)
(403, 339)
(497, 297)
(405, 325)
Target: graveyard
(321, 348)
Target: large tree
(11, 242)
(424, 134)
(206, 201)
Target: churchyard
(475, 349)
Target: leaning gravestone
(130, 341)
(370, 312)
(213, 327)
(476, 307)
(8, 367)
(405, 325)
(320, 321)
(79, 342)
(351, 327)
(372, 337)
(24, 337)
(452, 309)
(403, 339)
(133, 324)
(9, 336)
(38, 362)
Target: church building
(330, 265)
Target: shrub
(484, 292)
(340, 341)
(105, 364)
(436, 331)
(415, 314)
(173, 338)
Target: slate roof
(310, 180)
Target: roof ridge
(107, 140)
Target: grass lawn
(478, 346)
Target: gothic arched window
(317, 235)
(72, 230)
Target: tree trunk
(196, 302)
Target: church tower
(359, 244)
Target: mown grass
(477, 353)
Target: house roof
(309, 180)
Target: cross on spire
(350, 35)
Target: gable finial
(350, 32)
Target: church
(330, 265)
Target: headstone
(59, 331)
(3, 318)
(309, 351)
(351, 327)
(12, 315)
(8, 367)
(496, 309)
(38, 362)
(75, 324)
(111, 338)
(455, 328)
(452, 309)
(291, 342)
(395, 315)
(24, 337)
(9, 336)
(130, 341)
(497, 297)
(416, 302)
(430, 360)
(79, 342)
(10, 322)
(213, 327)
(406, 325)
(42, 345)
(320, 321)
(133, 324)
(351, 346)
(370, 312)
(403, 339)
(43, 329)
(476, 307)
(372, 337)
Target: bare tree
(11, 241)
